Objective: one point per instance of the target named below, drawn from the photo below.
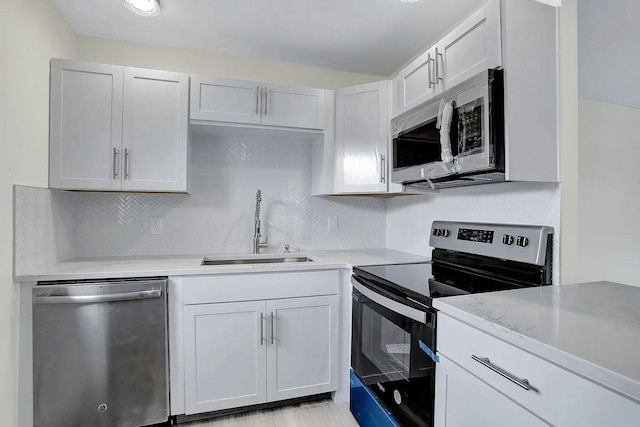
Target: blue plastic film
(429, 352)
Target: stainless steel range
(393, 349)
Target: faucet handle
(264, 244)
(286, 248)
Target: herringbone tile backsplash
(217, 217)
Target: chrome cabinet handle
(383, 175)
(429, 61)
(438, 78)
(126, 163)
(262, 340)
(520, 382)
(273, 320)
(89, 299)
(257, 100)
(266, 101)
(115, 163)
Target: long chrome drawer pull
(88, 299)
(262, 340)
(521, 382)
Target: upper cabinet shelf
(246, 102)
(117, 128)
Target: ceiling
(364, 36)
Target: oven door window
(387, 344)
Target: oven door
(392, 351)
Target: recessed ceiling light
(408, 1)
(143, 7)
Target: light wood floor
(315, 414)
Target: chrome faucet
(257, 244)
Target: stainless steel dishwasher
(100, 354)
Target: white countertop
(183, 265)
(592, 329)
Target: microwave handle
(383, 167)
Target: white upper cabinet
(117, 128)
(362, 134)
(154, 130)
(85, 125)
(240, 101)
(417, 81)
(532, 108)
(224, 100)
(471, 47)
(292, 106)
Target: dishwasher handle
(90, 299)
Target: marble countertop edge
(188, 265)
(609, 379)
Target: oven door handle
(397, 307)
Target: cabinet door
(417, 81)
(291, 106)
(470, 48)
(85, 126)
(463, 400)
(362, 132)
(225, 100)
(155, 130)
(224, 356)
(303, 347)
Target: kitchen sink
(236, 261)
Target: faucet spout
(257, 244)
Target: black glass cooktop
(409, 279)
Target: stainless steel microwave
(455, 139)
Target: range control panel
(480, 236)
(525, 243)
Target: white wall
(609, 202)
(31, 32)
(609, 145)
(609, 56)
(93, 49)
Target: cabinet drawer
(248, 287)
(557, 395)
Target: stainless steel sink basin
(236, 261)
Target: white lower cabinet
(469, 392)
(251, 352)
(224, 356)
(462, 399)
(302, 347)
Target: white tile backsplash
(217, 217)
(42, 228)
